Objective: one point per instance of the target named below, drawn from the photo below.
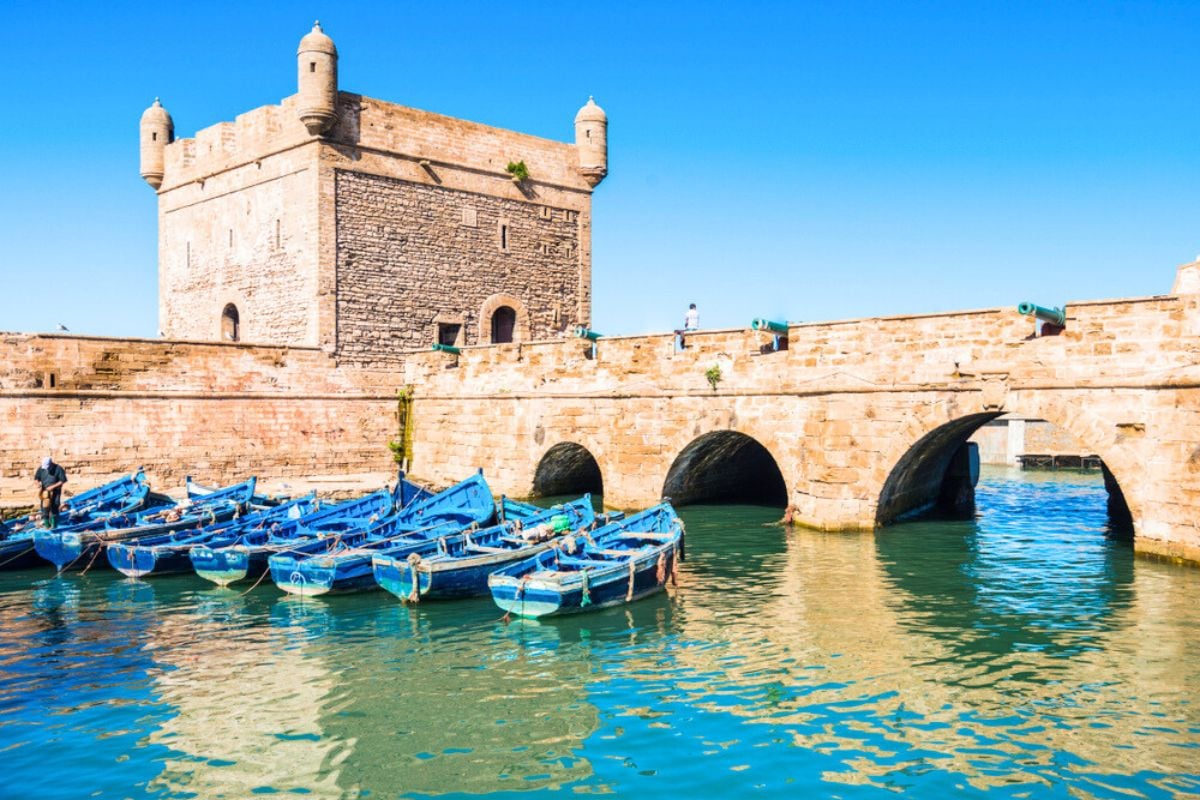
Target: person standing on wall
(50, 478)
(691, 322)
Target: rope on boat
(632, 572)
(18, 555)
(93, 561)
(442, 545)
(587, 592)
(661, 571)
(261, 578)
(414, 595)
(682, 537)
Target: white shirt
(691, 320)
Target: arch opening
(567, 469)
(726, 467)
(231, 324)
(504, 323)
(936, 477)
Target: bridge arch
(726, 466)
(567, 468)
(927, 474)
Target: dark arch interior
(725, 467)
(936, 478)
(567, 468)
(504, 322)
(231, 323)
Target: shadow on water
(1034, 570)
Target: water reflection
(1022, 654)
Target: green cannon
(762, 324)
(446, 348)
(1054, 316)
(583, 333)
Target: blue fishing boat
(624, 561)
(247, 559)
(78, 549)
(461, 564)
(87, 509)
(169, 553)
(344, 564)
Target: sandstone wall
(311, 238)
(852, 412)
(841, 408)
(411, 255)
(213, 411)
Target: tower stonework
(369, 228)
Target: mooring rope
(414, 595)
(632, 573)
(262, 577)
(93, 561)
(18, 555)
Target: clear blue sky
(799, 160)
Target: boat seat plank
(614, 553)
(584, 562)
(483, 548)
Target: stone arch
(918, 482)
(568, 468)
(726, 466)
(487, 313)
(916, 476)
(231, 323)
(1120, 464)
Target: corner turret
(157, 131)
(591, 140)
(317, 64)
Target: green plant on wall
(401, 445)
(713, 376)
(518, 170)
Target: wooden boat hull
(140, 562)
(535, 598)
(625, 560)
(226, 565)
(18, 552)
(338, 573)
(77, 549)
(414, 529)
(461, 565)
(445, 580)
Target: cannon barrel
(764, 324)
(584, 333)
(446, 348)
(1054, 316)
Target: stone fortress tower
(366, 228)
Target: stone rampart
(860, 416)
(213, 411)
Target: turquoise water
(1021, 655)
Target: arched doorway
(567, 469)
(231, 324)
(936, 478)
(726, 467)
(504, 324)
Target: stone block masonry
(411, 255)
(215, 412)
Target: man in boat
(50, 478)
